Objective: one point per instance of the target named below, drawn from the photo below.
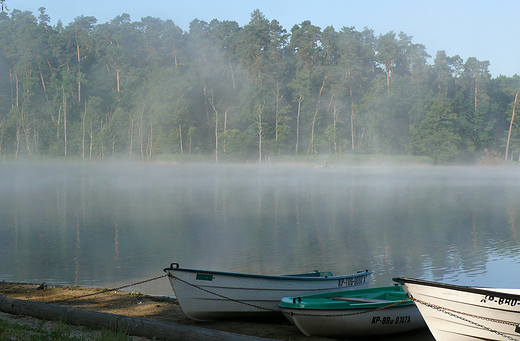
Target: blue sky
(487, 30)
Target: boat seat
(359, 299)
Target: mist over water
(108, 225)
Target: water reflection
(512, 220)
(108, 225)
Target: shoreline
(156, 308)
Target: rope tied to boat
(277, 311)
(109, 290)
(454, 313)
(221, 296)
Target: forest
(143, 89)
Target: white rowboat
(206, 295)
(462, 313)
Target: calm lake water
(108, 225)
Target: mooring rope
(108, 290)
(221, 296)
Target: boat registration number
(352, 281)
(500, 300)
(389, 320)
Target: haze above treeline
(147, 89)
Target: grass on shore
(57, 331)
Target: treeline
(146, 88)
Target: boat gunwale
(462, 288)
(312, 301)
(295, 277)
(344, 306)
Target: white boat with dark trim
(462, 313)
(206, 295)
(353, 313)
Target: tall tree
(388, 55)
(305, 44)
(435, 135)
(355, 70)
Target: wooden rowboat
(462, 313)
(206, 295)
(353, 313)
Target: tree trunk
(141, 137)
(91, 146)
(43, 82)
(175, 54)
(18, 136)
(180, 138)
(312, 148)
(36, 136)
(83, 132)
(335, 134)
(216, 136)
(64, 120)
(334, 121)
(260, 132)
(131, 134)
(114, 144)
(190, 145)
(352, 119)
(17, 89)
(11, 86)
(232, 73)
(476, 102)
(150, 143)
(117, 79)
(277, 112)
(25, 133)
(212, 103)
(298, 124)
(79, 65)
(388, 77)
(511, 125)
(118, 71)
(1, 138)
(136, 326)
(225, 130)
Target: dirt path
(153, 307)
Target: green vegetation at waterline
(488, 158)
(40, 331)
(146, 89)
(311, 160)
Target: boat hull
(466, 313)
(354, 319)
(209, 295)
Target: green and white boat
(353, 313)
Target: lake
(109, 225)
